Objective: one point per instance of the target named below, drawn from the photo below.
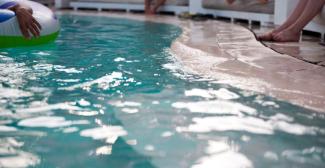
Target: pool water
(108, 93)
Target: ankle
(294, 30)
(281, 28)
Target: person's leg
(292, 19)
(261, 1)
(292, 33)
(230, 1)
(157, 5)
(147, 4)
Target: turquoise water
(107, 93)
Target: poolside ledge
(230, 54)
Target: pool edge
(230, 54)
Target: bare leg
(261, 1)
(230, 1)
(292, 19)
(158, 4)
(292, 33)
(147, 4)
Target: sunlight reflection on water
(119, 100)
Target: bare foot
(230, 1)
(269, 35)
(287, 35)
(266, 37)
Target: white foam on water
(132, 142)
(22, 159)
(119, 59)
(149, 148)
(5, 112)
(267, 103)
(104, 82)
(312, 155)
(14, 74)
(104, 150)
(228, 123)
(37, 108)
(176, 67)
(130, 110)
(296, 129)
(167, 134)
(42, 53)
(13, 93)
(221, 93)
(286, 124)
(84, 102)
(155, 102)
(199, 92)
(49, 122)
(281, 117)
(245, 138)
(43, 90)
(222, 155)
(4, 122)
(247, 124)
(85, 113)
(106, 132)
(4, 128)
(45, 108)
(10, 142)
(68, 80)
(43, 67)
(215, 107)
(68, 70)
(111, 140)
(70, 130)
(125, 104)
(13, 157)
(271, 156)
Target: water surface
(108, 93)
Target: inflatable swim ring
(10, 34)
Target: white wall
(283, 9)
(62, 3)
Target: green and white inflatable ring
(10, 34)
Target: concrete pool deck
(230, 54)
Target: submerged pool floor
(108, 93)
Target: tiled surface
(230, 54)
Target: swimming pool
(108, 93)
